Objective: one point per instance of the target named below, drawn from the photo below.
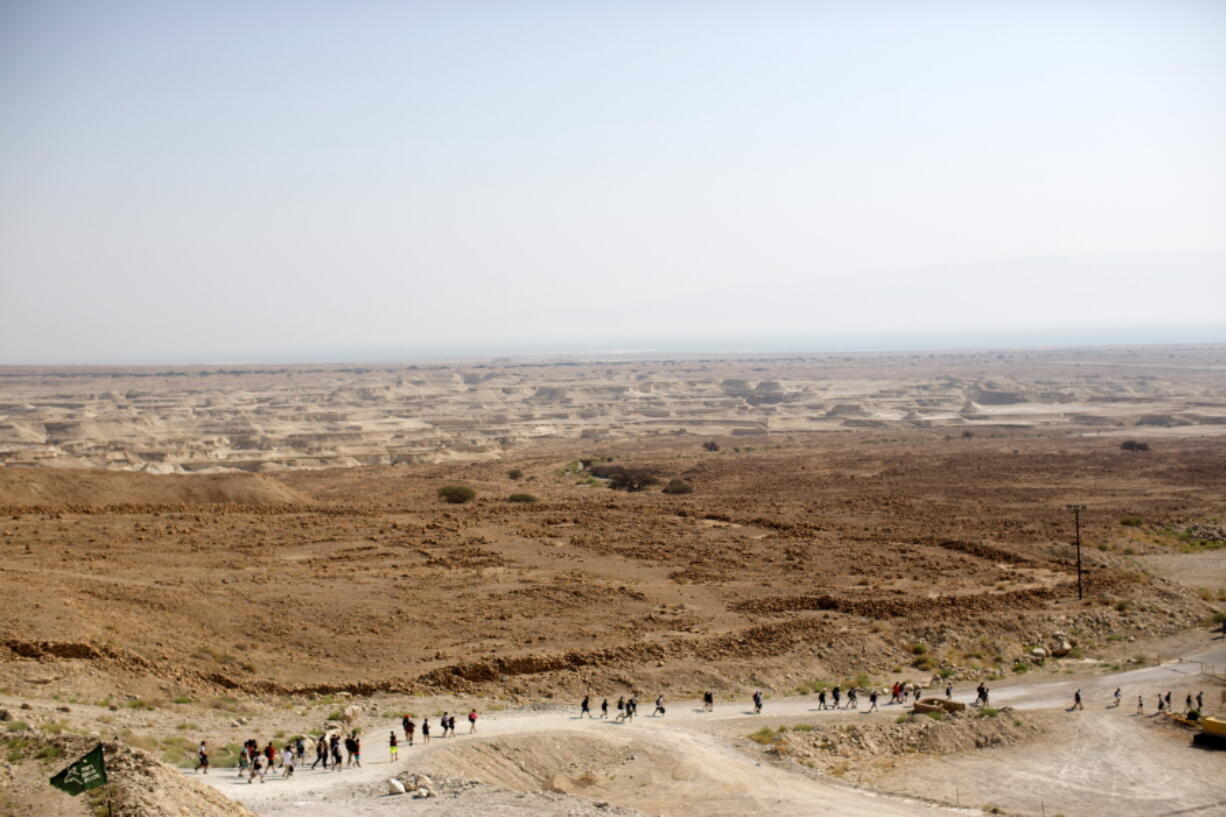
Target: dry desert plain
(262, 552)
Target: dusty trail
(744, 785)
(679, 767)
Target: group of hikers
(446, 723)
(1164, 702)
(627, 708)
(254, 762)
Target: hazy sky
(255, 180)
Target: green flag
(87, 773)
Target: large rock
(1039, 652)
(394, 786)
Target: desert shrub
(635, 479)
(1021, 667)
(765, 735)
(521, 498)
(602, 471)
(1133, 445)
(677, 486)
(919, 648)
(924, 663)
(516, 474)
(456, 494)
(988, 712)
(936, 714)
(710, 445)
(967, 434)
(1131, 521)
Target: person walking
(257, 767)
(393, 750)
(1200, 702)
(404, 724)
(1140, 704)
(349, 750)
(409, 729)
(299, 750)
(202, 755)
(1118, 696)
(585, 707)
(335, 745)
(659, 710)
(1077, 700)
(621, 708)
(872, 701)
(357, 750)
(708, 701)
(853, 698)
(425, 730)
(287, 760)
(757, 702)
(604, 709)
(837, 696)
(821, 700)
(443, 724)
(472, 721)
(321, 753)
(1188, 703)
(949, 692)
(270, 755)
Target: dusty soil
(270, 419)
(797, 559)
(890, 546)
(138, 785)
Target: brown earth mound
(31, 486)
(138, 786)
(859, 750)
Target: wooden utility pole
(1077, 509)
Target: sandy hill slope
(31, 486)
(138, 786)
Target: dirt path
(675, 765)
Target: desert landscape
(247, 551)
(268, 420)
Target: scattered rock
(394, 786)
